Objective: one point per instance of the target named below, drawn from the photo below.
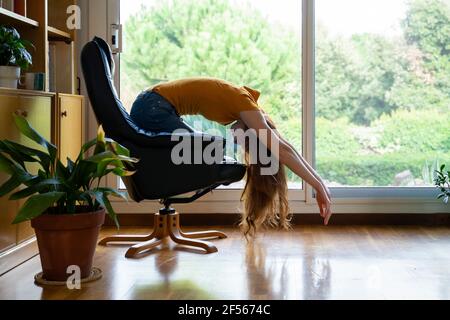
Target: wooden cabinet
(71, 114)
(38, 109)
(59, 118)
(8, 209)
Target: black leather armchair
(157, 177)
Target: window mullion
(308, 84)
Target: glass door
(382, 94)
(257, 43)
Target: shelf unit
(58, 35)
(12, 18)
(54, 54)
(57, 112)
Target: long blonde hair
(265, 196)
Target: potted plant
(65, 203)
(13, 56)
(442, 182)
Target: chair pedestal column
(167, 226)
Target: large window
(382, 91)
(375, 80)
(256, 43)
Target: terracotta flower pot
(67, 240)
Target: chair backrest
(97, 64)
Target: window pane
(256, 43)
(382, 91)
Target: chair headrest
(106, 49)
(97, 62)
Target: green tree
(335, 77)
(214, 38)
(427, 26)
(354, 76)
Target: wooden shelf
(14, 19)
(55, 34)
(24, 92)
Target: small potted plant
(65, 203)
(442, 182)
(13, 57)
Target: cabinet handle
(64, 114)
(21, 113)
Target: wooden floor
(307, 263)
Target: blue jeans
(152, 112)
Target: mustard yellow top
(215, 99)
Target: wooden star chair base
(167, 226)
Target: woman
(159, 109)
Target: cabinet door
(8, 209)
(71, 115)
(38, 112)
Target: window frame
(361, 200)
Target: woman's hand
(324, 202)
(324, 187)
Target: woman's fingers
(320, 208)
(324, 202)
(322, 212)
(320, 203)
(328, 214)
(328, 217)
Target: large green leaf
(85, 148)
(37, 205)
(6, 165)
(61, 171)
(83, 173)
(70, 166)
(114, 193)
(97, 158)
(15, 154)
(87, 197)
(123, 173)
(43, 157)
(88, 145)
(118, 148)
(25, 128)
(109, 155)
(11, 167)
(37, 188)
(10, 185)
(102, 199)
(128, 159)
(110, 210)
(104, 164)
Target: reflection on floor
(307, 263)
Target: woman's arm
(305, 163)
(290, 158)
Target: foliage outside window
(382, 101)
